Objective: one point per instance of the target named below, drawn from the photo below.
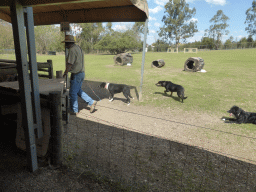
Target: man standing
(75, 65)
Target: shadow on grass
(166, 95)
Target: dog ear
(164, 83)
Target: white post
(143, 58)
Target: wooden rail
(8, 69)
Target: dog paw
(110, 100)
(223, 119)
(128, 104)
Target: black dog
(240, 116)
(169, 86)
(117, 88)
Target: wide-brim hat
(69, 38)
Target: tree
(250, 19)
(218, 28)
(6, 35)
(90, 35)
(160, 46)
(231, 38)
(108, 29)
(139, 27)
(243, 43)
(229, 43)
(177, 21)
(48, 37)
(119, 42)
(207, 43)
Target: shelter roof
(47, 12)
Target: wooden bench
(8, 71)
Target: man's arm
(68, 68)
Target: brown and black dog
(171, 87)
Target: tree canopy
(218, 28)
(119, 42)
(178, 23)
(160, 45)
(251, 19)
(48, 38)
(91, 34)
(6, 35)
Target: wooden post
(56, 141)
(50, 69)
(17, 16)
(29, 21)
(59, 74)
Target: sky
(205, 10)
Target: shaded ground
(14, 175)
(197, 129)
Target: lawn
(229, 80)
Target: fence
(8, 69)
(246, 45)
(7, 51)
(140, 161)
(204, 47)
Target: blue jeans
(76, 82)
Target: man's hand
(68, 68)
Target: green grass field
(229, 80)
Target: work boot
(93, 106)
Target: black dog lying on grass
(117, 88)
(240, 116)
(169, 86)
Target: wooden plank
(7, 61)
(45, 86)
(42, 69)
(46, 76)
(43, 65)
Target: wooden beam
(17, 16)
(108, 14)
(29, 22)
(5, 16)
(34, 3)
